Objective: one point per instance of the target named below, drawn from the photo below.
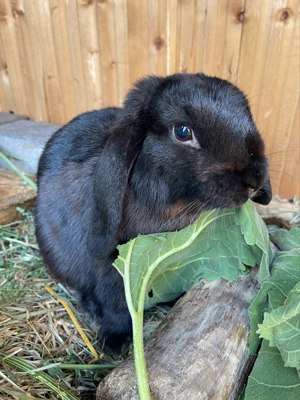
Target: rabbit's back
(78, 141)
(65, 181)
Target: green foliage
(282, 328)
(275, 311)
(22, 365)
(159, 267)
(287, 240)
(17, 170)
(285, 274)
(220, 244)
(256, 237)
(270, 379)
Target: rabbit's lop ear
(124, 142)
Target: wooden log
(200, 351)
(14, 192)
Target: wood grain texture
(14, 192)
(29, 44)
(64, 63)
(12, 79)
(137, 22)
(59, 58)
(107, 43)
(90, 54)
(76, 55)
(200, 351)
(172, 37)
(121, 44)
(45, 46)
(157, 37)
(269, 75)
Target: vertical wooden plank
(172, 37)
(186, 36)
(283, 128)
(138, 19)
(50, 71)
(7, 101)
(2, 59)
(157, 38)
(269, 73)
(107, 45)
(32, 78)
(200, 33)
(31, 41)
(90, 53)
(215, 37)
(121, 34)
(3, 103)
(285, 160)
(19, 16)
(222, 37)
(231, 51)
(12, 78)
(74, 44)
(63, 57)
(255, 31)
(6, 97)
(210, 37)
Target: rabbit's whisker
(243, 87)
(189, 207)
(201, 209)
(269, 150)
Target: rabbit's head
(179, 140)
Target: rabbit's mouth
(252, 192)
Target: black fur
(112, 174)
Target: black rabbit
(181, 144)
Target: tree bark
(200, 350)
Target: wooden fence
(59, 58)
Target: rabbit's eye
(185, 135)
(182, 133)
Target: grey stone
(25, 139)
(7, 118)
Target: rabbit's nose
(255, 177)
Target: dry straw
(42, 354)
